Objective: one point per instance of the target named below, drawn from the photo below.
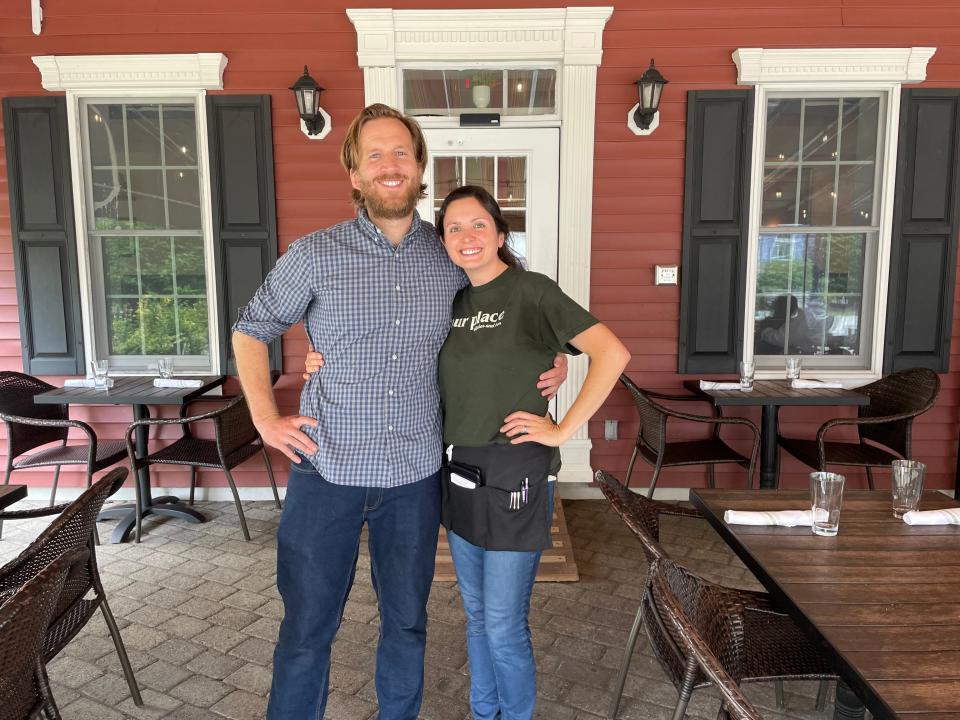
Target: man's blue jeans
(495, 586)
(317, 546)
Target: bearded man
(375, 294)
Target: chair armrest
(40, 422)
(873, 420)
(679, 511)
(669, 412)
(33, 512)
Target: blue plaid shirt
(379, 315)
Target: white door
(520, 167)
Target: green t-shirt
(503, 335)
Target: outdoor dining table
(880, 598)
(9, 494)
(770, 395)
(140, 393)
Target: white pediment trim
(194, 71)
(840, 65)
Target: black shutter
(244, 207)
(923, 256)
(715, 224)
(44, 235)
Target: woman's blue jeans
(495, 586)
(317, 546)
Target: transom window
(508, 91)
(819, 228)
(145, 232)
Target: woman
(507, 326)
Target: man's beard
(392, 209)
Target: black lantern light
(307, 92)
(650, 86)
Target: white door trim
(571, 37)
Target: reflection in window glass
(816, 251)
(145, 229)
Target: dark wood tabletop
(9, 494)
(130, 391)
(882, 597)
(779, 392)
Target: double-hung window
(819, 225)
(146, 246)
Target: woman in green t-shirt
(507, 326)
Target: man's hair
(350, 151)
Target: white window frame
(129, 77)
(815, 72)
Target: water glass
(100, 373)
(826, 494)
(165, 367)
(793, 367)
(907, 484)
(746, 375)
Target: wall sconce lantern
(643, 117)
(314, 121)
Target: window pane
(120, 266)
(143, 134)
(810, 290)
(110, 198)
(855, 195)
(191, 277)
(446, 177)
(820, 129)
(531, 91)
(159, 326)
(105, 124)
(183, 199)
(517, 220)
(816, 195)
(512, 182)
(146, 195)
(124, 333)
(783, 129)
(192, 316)
(180, 135)
(780, 197)
(156, 266)
(479, 171)
(859, 134)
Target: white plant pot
(481, 96)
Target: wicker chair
(653, 447)
(768, 644)
(697, 633)
(30, 425)
(24, 619)
(236, 440)
(83, 593)
(895, 401)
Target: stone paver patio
(199, 612)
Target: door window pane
(506, 91)
(145, 232)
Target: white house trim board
(188, 71)
(572, 39)
(849, 66)
(36, 16)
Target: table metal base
(165, 505)
(769, 451)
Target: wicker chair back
(16, 400)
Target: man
(375, 294)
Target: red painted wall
(638, 182)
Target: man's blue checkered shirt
(379, 315)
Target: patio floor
(199, 613)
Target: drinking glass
(100, 373)
(793, 367)
(165, 367)
(826, 494)
(746, 375)
(907, 484)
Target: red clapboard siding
(638, 182)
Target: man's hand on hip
(552, 379)
(283, 433)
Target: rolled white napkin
(708, 385)
(783, 518)
(85, 383)
(813, 384)
(177, 383)
(948, 516)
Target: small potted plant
(480, 82)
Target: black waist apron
(509, 510)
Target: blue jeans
(495, 586)
(317, 546)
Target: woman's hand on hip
(524, 427)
